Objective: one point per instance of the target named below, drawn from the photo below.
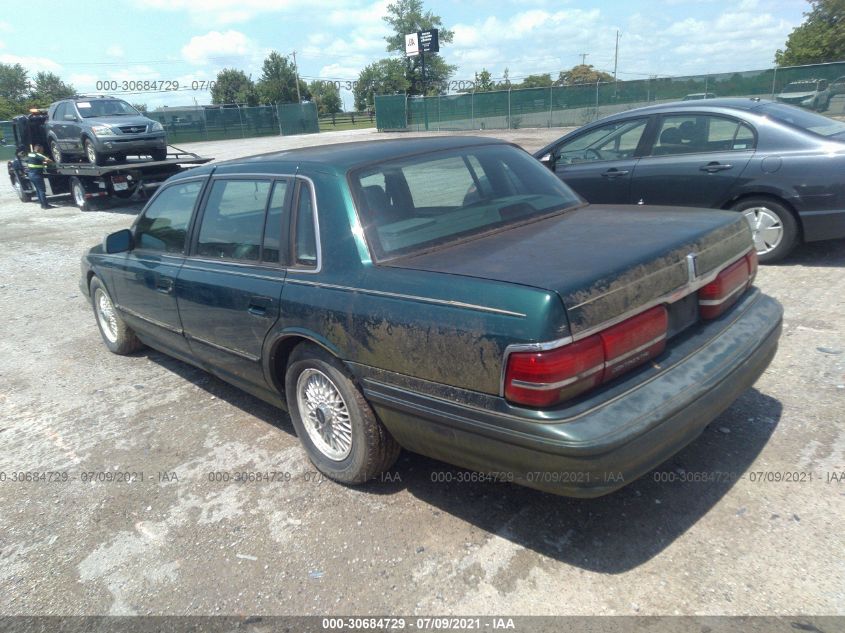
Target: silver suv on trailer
(97, 128)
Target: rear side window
(305, 236)
(696, 133)
(163, 227)
(233, 220)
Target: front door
(230, 287)
(598, 163)
(144, 279)
(695, 161)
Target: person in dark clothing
(35, 164)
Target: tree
(537, 81)
(140, 107)
(386, 76)
(233, 86)
(326, 95)
(48, 87)
(408, 16)
(582, 74)
(277, 83)
(484, 82)
(821, 38)
(14, 82)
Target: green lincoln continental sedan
(449, 296)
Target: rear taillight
(721, 293)
(541, 379)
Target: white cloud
(214, 45)
(32, 64)
(115, 51)
(225, 12)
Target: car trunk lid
(603, 261)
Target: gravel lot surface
(178, 543)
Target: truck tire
(77, 192)
(22, 193)
(159, 154)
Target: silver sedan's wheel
(774, 227)
(766, 228)
(325, 414)
(106, 315)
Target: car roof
(341, 157)
(720, 103)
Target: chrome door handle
(714, 167)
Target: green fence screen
(563, 106)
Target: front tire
(774, 228)
(336, 425)
(23, 196)
(94, 157)
(118, 337)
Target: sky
(189, 41)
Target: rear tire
(118, 337)
(159, 154)
(56, 151)
(119, 157)
(77, 192)
(774, 227)
(336, 425)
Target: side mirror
(119, 242)
(70, 117)
(548, 160)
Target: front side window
(411, 204)
(60, 111)
(698, 133)
(164, 225)
(613, 141)
(233, 220)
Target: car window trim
(293, 217)
(188, 229)
(193, 245)
(292, 178)
(663, 115)
(290, 183)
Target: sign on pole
(422, 42)
(429, 41)
(412, 44)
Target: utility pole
(615, 62)
(296, 73)
(584, 58)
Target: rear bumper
(600, 445)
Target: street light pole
(296, 73)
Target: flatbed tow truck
(90, 184)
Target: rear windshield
(104, 107)
(803, 119)
(413, 204)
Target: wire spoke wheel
(325, 414)
(106, 316)
(766, 228)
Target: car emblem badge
(692, 266)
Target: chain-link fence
(820, 87)
(214, 123)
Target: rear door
(230, 288)
(598, 163)
(694, 161)
(145, 277)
